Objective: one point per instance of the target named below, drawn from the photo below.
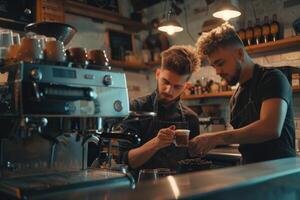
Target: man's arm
(268, 127)
(138, 156)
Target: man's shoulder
(189, 112)
(273, 83)
(272, 72)
(143, 103)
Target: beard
(164, 98)
(236, 77)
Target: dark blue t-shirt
(245, 107)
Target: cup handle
(174, 141)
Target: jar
(295, 80)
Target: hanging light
(226, 10)
(170, 25)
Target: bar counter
(277, 179)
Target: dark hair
(181, 59)
(221, 36)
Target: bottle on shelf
(198, 87)
(192, 90)
(257, 31)
(249, 33)
(242, 35)
(203, 84)
(266, 29)
(275, 27)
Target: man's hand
(200, 145)
(139, 156)
(165, 137)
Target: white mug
(181, 137)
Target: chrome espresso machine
(48, 115)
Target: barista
(157, 133)
(261, 108)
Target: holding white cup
(181, 138)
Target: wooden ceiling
(142, 4)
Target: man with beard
(261, 108)
(157, 133)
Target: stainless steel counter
(225, 156)
(276, 179)
(226, 151)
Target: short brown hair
(181, 59)
(221, 36)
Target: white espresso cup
(181, 138)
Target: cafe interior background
(127, 31)
(194, 16)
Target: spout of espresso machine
(91, 138)
(35, 124)
(131, 137)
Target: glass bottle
(242, 35)
(249, 33)
(275, 27)
(266, 29)
(257, 31)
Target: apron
(249, 112)
(245, 116)
(169, 156)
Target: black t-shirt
(168, 156)
(245, 107)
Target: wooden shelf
(219, 95)
(272, 46)
(131, 65)
(296, 89)
(102, 14)
(208, 95)
(154, 63)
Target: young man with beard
(157, 149)
(261, 108)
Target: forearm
(140, 155)
(256, 132)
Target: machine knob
(118, 106)
(27, 11)
(107, 80)
(44, 122)
(36, 74)
(91, 94)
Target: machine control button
(70, 108)
(89, 76)
(91, 94)
(107, 80)
(36, 74)
(118, 106)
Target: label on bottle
(242, 34)
(274, 28)
(257, 32)
(266, 30)
(249, 33)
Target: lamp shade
(170, 26)
(226, 10)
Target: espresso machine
(48, 115)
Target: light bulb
(227, 14)
(170, 27)
(171, 32)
